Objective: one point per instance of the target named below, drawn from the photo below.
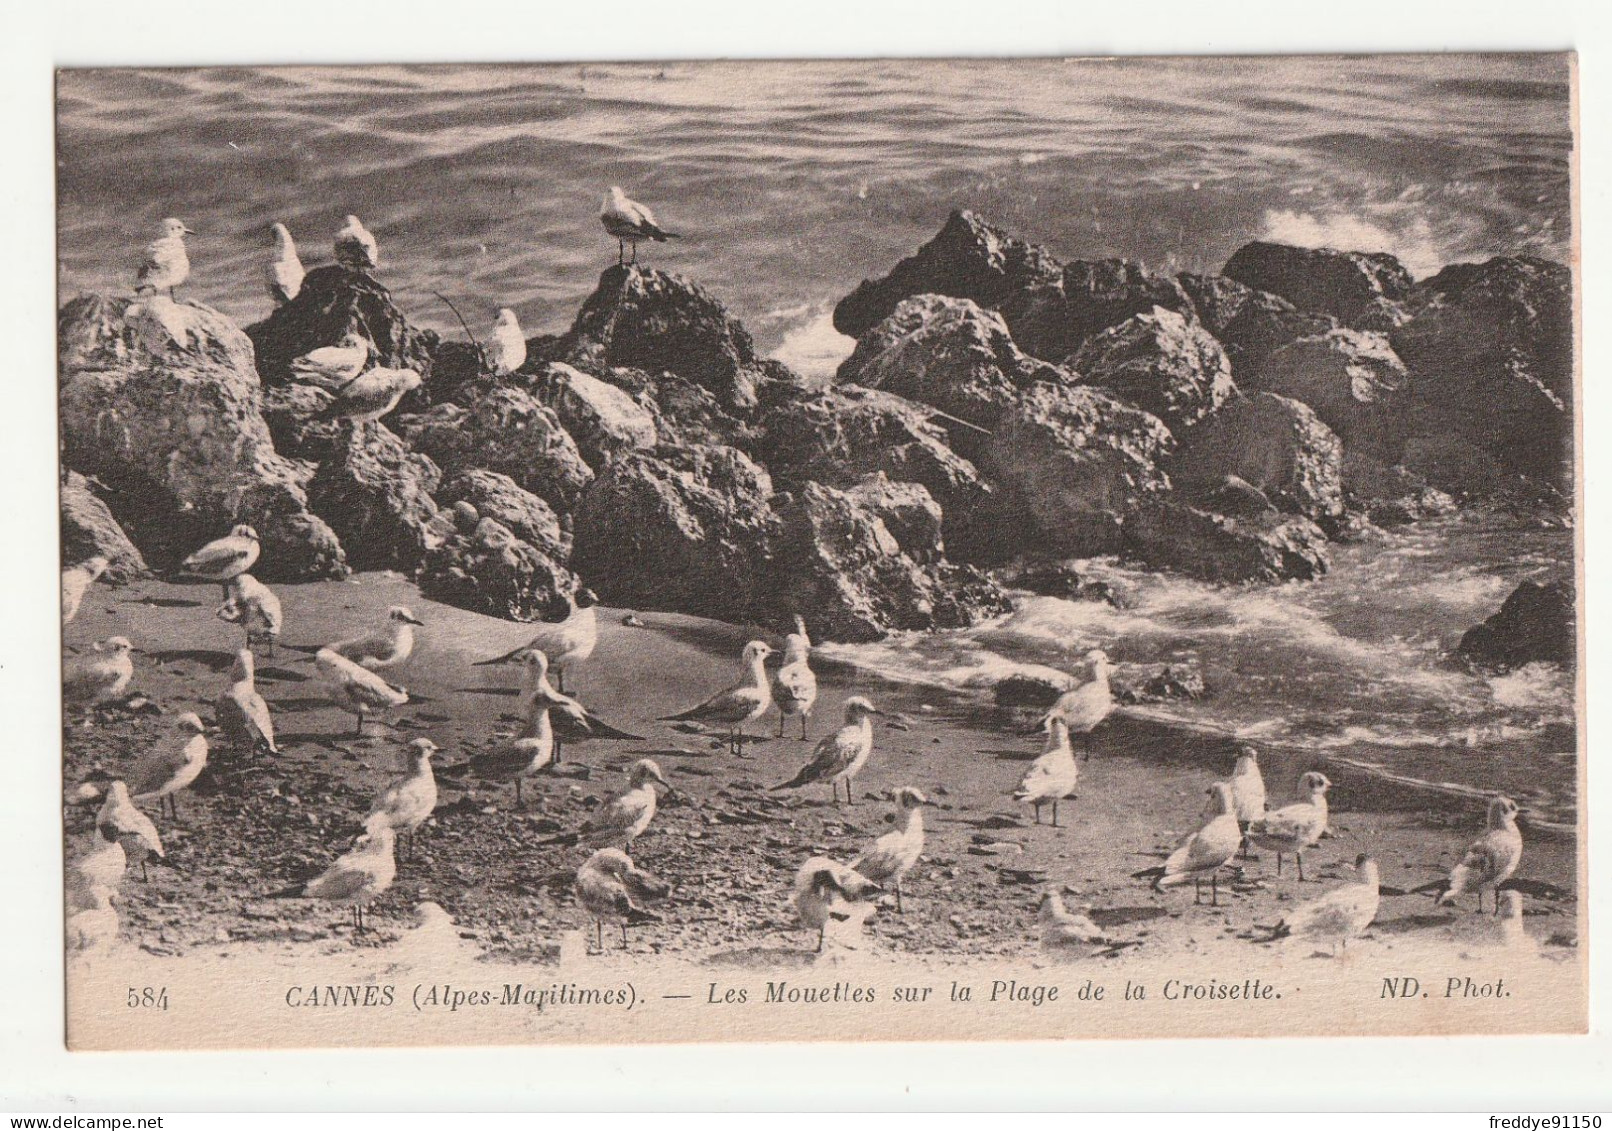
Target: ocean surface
(792, 182)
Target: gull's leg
(1278, 865)
(598, 935)
(624, 936)
(1299, 856)
(518, 801)
(144, 876)
(359, 733)
(1054, 812)
(621, 252)
(820, 931)
(634, 251)
(899, 909)
(803, 718)
(1037, 805)
(780, 724)
(1197, 890)
(1214, 888)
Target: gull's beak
(415, 620)
(187, 231)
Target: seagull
(357, 689)
(371, 395)
(387, 647)
(76, 581)
(1490, 860)
(1293, 828)
(893, 855)
(119, 820)
(1202, 854)
(224, 558)
(172, 765)
(1062, 929)
(410, 799)
(567, 642)
(1053, 775)
(841, 755)
(827, 891)
(334, 367)
(358, 876)
(794, 685)
(611, 888)
(355, 247)
(101, 867)
(744, 702)
(165, 264)
(1083, 707)
(252, 605)
(242, 712)
(572, 721)
(507, 350)
(619, 823)
(94, 924)
(1247, 791)
(630, 222)
(103, 675)
(529, 752)
(1341, 914)
(284, 272)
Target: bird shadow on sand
(1106, 917)
(1012, 755)
(1417, 921)
(165, 602)
(765, 957)
(301, 705)
(507, 692)
(280, 675)
(217, 661)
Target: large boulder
(1073, 463)
(1055, 318)
(689, 530)
(909, 512)
(968, 258)
(1390, 495)
(376, 495)
(500, 498)
(334, 301)
(161, 404)
(602, 418)
(1168, 534)
(1277, 445)
(292, 412)
(1360, 289)
(948, 353)
(90, 531)
(506, 430)
(1536, 624)
(1250, 324)
(1160, 362)
(488, 570)
(1353, 380)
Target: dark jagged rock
(602, 418)
(1162, 363)
(333, 301)
(968, 258)
(1274, 444)
(89, 531)
(1053, 320)
(948, 353)
(1072, 463)
(1063, 580)
(1027, 691)
(160, 403)
(1391, 496)
(376, 496)
(907, 510)
(1167, 534)
(505, 430)
(501, 499)
(491, 571)
(1536, 624)
(292, 413)
(1250, 324)
(1363, 290)
(1353, 380)
(1159, 683)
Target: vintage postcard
(906, 549)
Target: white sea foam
(813, 348)
(1412, 241)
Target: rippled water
(793, 181)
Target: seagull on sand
(252, 605)
(103, 675)
(284, 272)
(619, 823)
(355, 247)
(826, 891)
(165, 264)
(172, 765)
(572, 721)
(370, 396)
(242, 712)
(224, 558)
(630, 222)
(387, 647)
(94, 925)
(1083, 707)
(567, 642)
(531, 750)
(506, 352)
(1490, 860)
(611, 888)
(358, 876)
(411, 798)
(1341, 914)
(1202, 854)
(357, 689)
(840, 756)
(893, 855)
(1053, 775)
(744, 702)
(334, 367)
(1063, 930)
(1247, 791)
(101, 867)
(794, 685)
(76, 581)
(1293, 828)
(119, 820)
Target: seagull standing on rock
(224, 558)
(894, 854)
(355, 247)
(103, 675)
(794, 685)
(630, 222)
(506, 352)
(172, 765)
(242, 712)
(611, 888)
(284, 271)
(839, 757)
(370, 396)
(734, 707)
(252, 605)
(76, 581)
(166, 263)
(333, 367)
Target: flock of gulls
(357, 676)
